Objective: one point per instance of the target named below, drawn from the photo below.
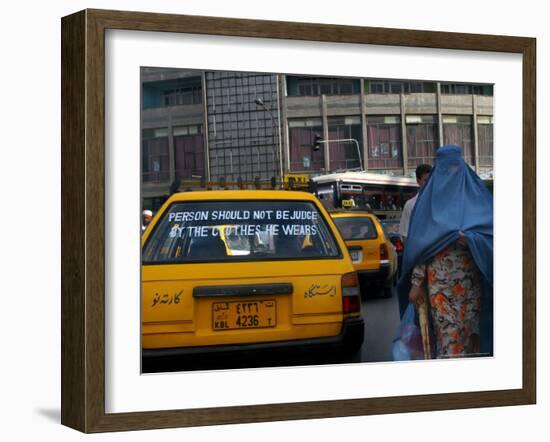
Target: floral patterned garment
(454, 289)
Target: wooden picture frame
(83, 215)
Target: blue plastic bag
(407, 345)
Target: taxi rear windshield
(239, 230)
(356, 228)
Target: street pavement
(381, 317)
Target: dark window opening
(303, 156)
(458, 130)
(345, 154)
(154, 156)
(189, 152)
(422, 140)
(466, 89)
(384, 143)
(315, 86)
(398, 87)
(485, 143)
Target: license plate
(356, 255)
(244, 314)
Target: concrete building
(228, 126)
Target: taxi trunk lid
(188, 305)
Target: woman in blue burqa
(449, 256)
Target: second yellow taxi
(372, 254)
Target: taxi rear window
(239, 230)
(390, 226)
(356, 228)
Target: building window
(422, 139)
(385, 87)
(413, 87)
(384, 142)
(458, 130)
(485, 141)
(345, 154)
(182, 96)
(301, 136)
(154, 155)
(315, 86)
(178, 92)
(466, 89)
(398, 87)
(189, 152)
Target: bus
(385, 195)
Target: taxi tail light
(398, 244)
(351, 295)
(384, 255)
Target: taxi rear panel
(308, 305)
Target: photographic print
(303, 220)
(237, 200)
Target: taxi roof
(245, 194)
(350, 213)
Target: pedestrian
(391, 204)
(146, 217)
(448, 259)
(422, 174)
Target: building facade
(230, 126)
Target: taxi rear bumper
(380, 275)
(347, 343)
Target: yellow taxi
(373, 255)
(242, 270)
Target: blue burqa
(453, 199)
